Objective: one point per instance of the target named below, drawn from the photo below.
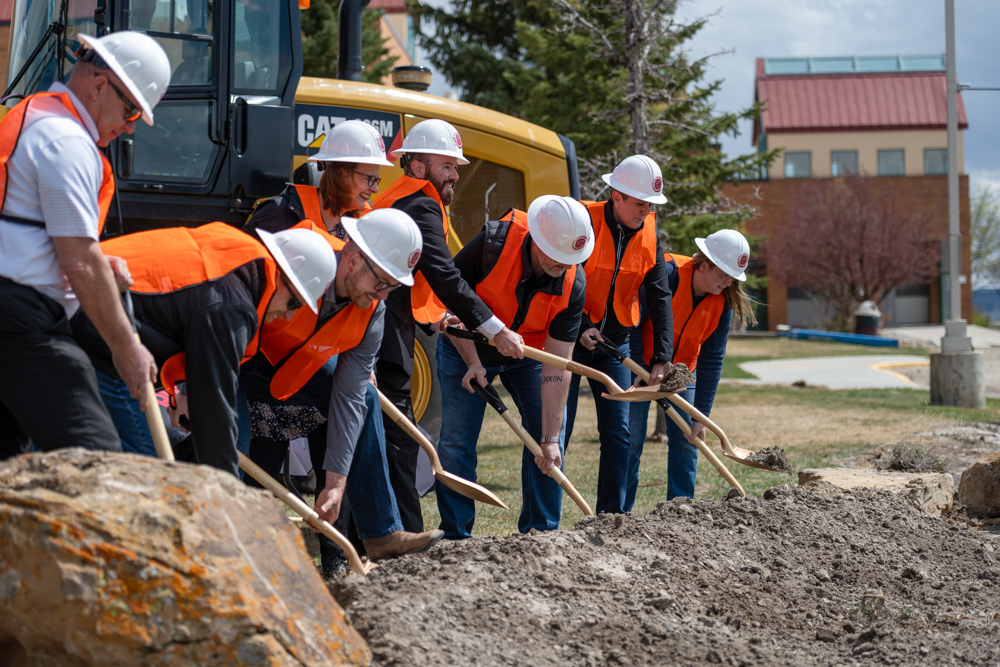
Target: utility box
(866, 318)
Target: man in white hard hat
(292, 387)
(526, 268)
(55, 190)
(708, 293)
(200, 297)
(430, 156)
(627, 256)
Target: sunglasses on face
(293, 301)
(132, 113)
(379, 283)
(373, 181)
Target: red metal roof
(390, 6)
(857, 101)
(6, 10)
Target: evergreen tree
(320, 38)
(612, 75)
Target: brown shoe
(401, 542)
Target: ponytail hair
(736, 298)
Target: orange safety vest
(692, 326)
(637, 260)
(497, 288)
(308, 346)
(166, 260)
(427, 308)
(11, 127)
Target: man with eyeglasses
(55, 191)
(430, 156)
(293, 391)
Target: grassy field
(815, 427)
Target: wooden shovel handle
(555, 473)
(154, 418)
(411, 429)
(697, 414)
(307, 513)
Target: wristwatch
(551, 438)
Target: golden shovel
(490, 395)
(453, 482)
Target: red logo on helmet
(381, 144)
(412, 260)
(579, 242)
(458, 140)
(657, 184)
(742, 262)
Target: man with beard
(430, 156)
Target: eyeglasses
(373, 181)
(293, 301)
(379, 283)
(133, 112)
(723, 276)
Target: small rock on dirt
(979, 488)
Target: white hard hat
(728, 250)
(433, 136)
(139, 62)
(638, 176)
(390, 238)
(560, 227)
(306, 259)
(352, 141)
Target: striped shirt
(54, 176)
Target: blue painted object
(855, 339)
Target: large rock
(979, 488)
(115, 559)
(931, 491)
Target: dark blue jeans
(612, 424)
(461, 422)
(682, 456)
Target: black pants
(400, 449)
(48, 389)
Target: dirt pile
(803, 576)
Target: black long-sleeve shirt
(212, 323)
(658, 295)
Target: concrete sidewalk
(873, 371)
(930, 335)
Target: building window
(798, 164)
(890, 163)
(935, 161)
(843, 163)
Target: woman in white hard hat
(708, 291)
(350, 157)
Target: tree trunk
(636, 49)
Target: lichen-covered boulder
(979, 488)
(115, 559)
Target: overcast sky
(749, 29)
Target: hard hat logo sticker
(744, 258)
(657, 184)
(381, 144)
(412, 260)
(458, 140)
(579, 242)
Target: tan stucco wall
(867, 144)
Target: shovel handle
(154, 418)
(703, 448)
(547, 358)
(695, 413)
(307, 513)
(396, 415)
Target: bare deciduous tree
(851, 240)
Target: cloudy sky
(747, 29)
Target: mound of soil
(803, 576)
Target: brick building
(874, 116)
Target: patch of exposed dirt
(802, 576)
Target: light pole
(957, 376)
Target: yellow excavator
(239, 120)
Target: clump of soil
(801, 576)
(676, 378)
(909, 458)
(774, 458)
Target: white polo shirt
(54, 176)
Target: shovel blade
(468, 489)
(742, 456)
(640, 394)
